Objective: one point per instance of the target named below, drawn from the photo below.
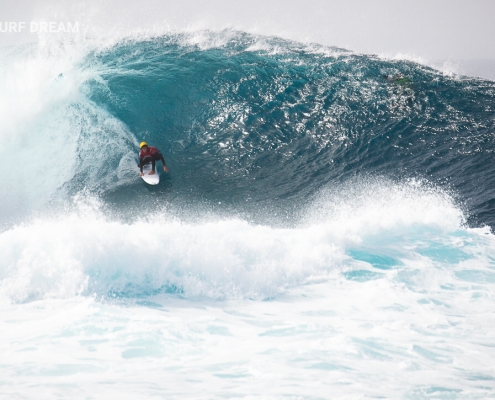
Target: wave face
(245, 121)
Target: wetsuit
(151, 155)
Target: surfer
(150, 154)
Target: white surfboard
(150, 179)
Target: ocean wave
(245, 120)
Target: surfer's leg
(153, 162)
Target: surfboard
(150, 179)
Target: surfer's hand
(152, 172)
(141, 173)
(165, 168)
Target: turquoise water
(324, 231)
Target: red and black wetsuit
(148, 155)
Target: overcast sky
(430, 29)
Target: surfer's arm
(165, 168)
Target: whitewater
(325, 230)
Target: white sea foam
(422, 329)
(72, 255)
(86, 253)
(48, 126)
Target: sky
(428, 30)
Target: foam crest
(90, 255)
(375, 205)
(86, 253)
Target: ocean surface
(325, 231)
